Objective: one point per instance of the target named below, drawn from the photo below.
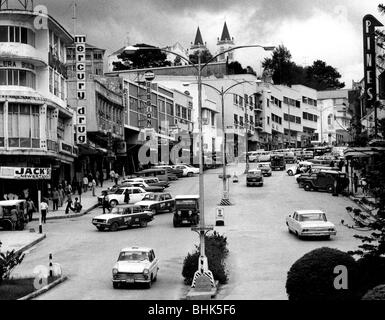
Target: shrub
(377, 293)
(216, 252)
(312, 276)
(8, 261)
(371, 273)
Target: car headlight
(115, 271)
(189, 212)
(331, 229)
(146, 271)
(179, 212)
(305, 230)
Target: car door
(137, 195)
(170, 203)
(118, 195)
(294, 222)
(154, 263)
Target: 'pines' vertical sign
(81, 116)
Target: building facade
(36, 125)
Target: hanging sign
(81, 116)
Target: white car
(135, 265)
(310, 223)
(303, 166)
(188, 171)
(136, 195)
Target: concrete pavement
(19, 240)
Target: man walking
(106, 204)
(93, 187)
(85, 183)
(355, 182)
(31, 208)
(44, 210)
(69, 202)
(55, 199)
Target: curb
(67, 216)
(31, 244)
(44, 289)
(362, 206)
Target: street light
(203, 271)
(225, 193)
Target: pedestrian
(340, 164)
(97, 177)
(364, 186)
(101, 179)
(112, 175)
(80, 190)
(355, 182)
(116, 178)
(332, 164)
(85, 183)
(69, 202)
(106, 203)
(30, 208)
(93, 187)
(61, 195)
(127, 196)
(77, 206)
(55, 199)
(44, 210)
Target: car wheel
(330, 189)
(189, 174)
(289, 230)
(116, 285)
(114, 226)
(307, 187)
(327, 237)
(143, 224)
(175, 223)
(113, 203)
(100, 228)
(290, 173)
(149, 284)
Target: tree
(321, 76)
(206, 56)
(141, 59)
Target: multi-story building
(334, 117)
(94, 61)
(35, 122)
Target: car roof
(134, 248)
(308, 211)
(158, 193)
(186, 196)
(264, 163)
(6, 203)
(255, 170)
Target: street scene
(173, 168)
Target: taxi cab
(254, 178)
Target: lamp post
(203, 273)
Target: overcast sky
(318, 29)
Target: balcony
(258, 125)
(22, 52)
(258, 107)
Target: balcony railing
(258, 125)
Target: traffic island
(19, 241)
(203, 291)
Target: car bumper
(101, 224)
(131, 281)
(318, 233)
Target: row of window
(276, 118)
(17, 77)
(17, 34)
(309, 116)
(57, 47)
(275, 102)
(238, 100)
(183, 112)
(292, 118)
(108, 110)
(89, 55)
(292, 102)
(310, 101)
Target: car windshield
(254, 173)
(312, 217)
(133, 256)
(152, 197)
(188, 202)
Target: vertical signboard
(81, 116)
(149, 76)
(369, 24)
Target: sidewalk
(88, 202)
(19, 240)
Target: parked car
(135, 265)
(151, 181)
(186, 210)
(301, 176)
(13, 214)
(265, 167)
(278, 162)
(302, 167)
(157, 203)
(171, 171)
(123, 216)
(310, 223)
(254, 177)
(147, 187)
(290, 157)
(161, 174)
(325, 180)
(136, 195)
(188, 171)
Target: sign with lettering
(25, 173)
(369, 24)
(16, 64)
(148, 104)
(81, 116)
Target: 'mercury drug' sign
(81, 115)
(369, 24)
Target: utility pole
(74, 17)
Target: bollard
(50, 266)
(219, 217)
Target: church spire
(198, 43)
(225, 33)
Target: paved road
(261, 249)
